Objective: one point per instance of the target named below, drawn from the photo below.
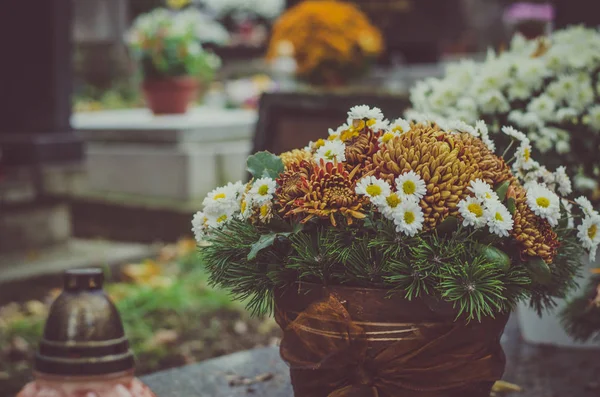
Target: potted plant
(175, 65)
(332, 41)
(391, 255)
(549, 89)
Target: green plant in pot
(391, 254)
(169, 47)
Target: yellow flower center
(264, 210)
(329, 155)
(222, 218)
(319, 143)
(398, 129)
(488, 195)
(409, 217)
(499, 217)
(263, 190)
(332, 137)
(543, 202)
(387, 137)
(476, 209)
(243, 206)
(373, 190)
(527, 154)
(358, 124)
(393, 200)
(592, 231)
(348, 134)
(371, 122)
(219, 196)
(409, 187)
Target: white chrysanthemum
(543, 202)
(388, 205)
(409, 217)
(483, 191)
(586, 206)
(222, 198)
(519, 89)
(498, 218)
(262, 190)
(593, 118)
(589, 234)
(563, 181)
(513, 133)
(460, 126)
(583, 183)
(566, 114)
(335, 134)
(399, 126)
(411, 185)
(543, 106)
(331, 152)
(492, 102)
(199, 226)
(238, 188)
(562, 147)
(365, 112)
(380, 125)
(473, 212)
(523, 156)
(482, 129)
(265, 212)
(217, 217)
(373, 187)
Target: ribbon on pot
(331, 355)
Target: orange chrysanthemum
(329, 191)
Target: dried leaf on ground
(505, 387)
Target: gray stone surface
(179, 157)
(540, 371)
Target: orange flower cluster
(446, 162)
(327, 37)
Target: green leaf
(502, 190)
(266, 240)
(539, 271)
(495, 256)
(511, 204)
(449, 225)
(264, 164)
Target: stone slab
(43, 268)
(540, 371)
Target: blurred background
(118, 116)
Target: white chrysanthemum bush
(548, 88)
(416, 207)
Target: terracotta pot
(170, 95)
(343, 341)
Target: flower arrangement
(170, 43)
(548, 88)
(332, 40)
(412, 207)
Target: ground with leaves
(171, 316)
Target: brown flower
(535, 234)
(328, 191)
(291, 185)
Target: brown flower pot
(360, 342)
(170, 95)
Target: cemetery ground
(171, 316)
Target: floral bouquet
(389, 247)
(548, 88)
(169, 43)
(333, 41)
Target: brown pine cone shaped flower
(295, 157)
(328, 191)
(291, 184)
(535, 234)
(360, 149)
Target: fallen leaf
(505, 387)
(240, 327)
(142, 273)
(164, 337)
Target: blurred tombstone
(98, 30)
(289, 121)
(35, 133)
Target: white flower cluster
(400, 205)
(589, 230)
(542, 87)
(485, 209)
(189, 22)
(234, 200)
(268, 9)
